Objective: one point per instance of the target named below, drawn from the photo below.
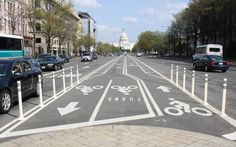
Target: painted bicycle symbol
(123, 89)
(178, 108)
(87, 89)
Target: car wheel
(223, 70)
(36, 93)
(55, 68)
(194, 66)
(5, 99)
(205, 68)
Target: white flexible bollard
(71, 77)
(206, 90)
(21, 115)
(63, 80)
(177, 75)
(40, 91)
(171, 72)
(224, 97)
(184, 78)
(77, 73)
(54, 85)
(193, 82)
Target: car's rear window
(214, 49)
(3, 69)
(217, 58)
(87, 54)
(48, 58)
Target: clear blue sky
(135, 16)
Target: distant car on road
(65, 58)
(95, 56)
(211, 62)
(12, 70)
(44, 55)
(87, 56)
(139, 54)
(33, 61)
(51, 63)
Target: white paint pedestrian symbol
(124, 90)
(87, 89)
(179, 108)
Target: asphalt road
(122, 90)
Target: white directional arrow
(85, 67)
(164, 89)
(68, 109)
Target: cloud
(165, 14)
(87, 3)
(129, 19)
(161, 15)
(108, 33)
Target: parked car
(44, 55)
(211, 62)
(87, 56)
(65, 58)
(51, 63)
(33, 61)
(11, 71)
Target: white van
(208, 49)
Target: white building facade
(89, 28)
(124, 42)
(14, 22)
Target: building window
(37, 4)
(38, 40)
(38, 27)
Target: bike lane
(180, 111)
(73, 107)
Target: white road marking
(164, 89)
(213, 109)
(145, 100)
(68, 109)
(100, 102)
(77, 125)
(104, 71)
(158, 110)
(46, 103)
(85, 67)
(230, 136)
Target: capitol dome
(124, 38)
(124, 42)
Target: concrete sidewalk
(118, 136)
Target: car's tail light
(228, 62)
(212, 62)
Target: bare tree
(15, 12)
